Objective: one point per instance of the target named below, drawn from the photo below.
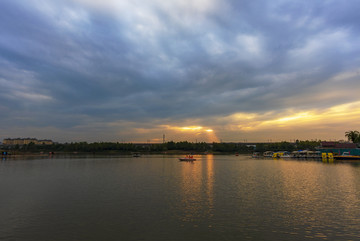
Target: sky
(192, 70)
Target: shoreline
(177, 152)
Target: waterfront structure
(338, 148)
(25, 141)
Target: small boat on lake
(268, 154)
(188, 158)
(305, 154)
(346, 157)
(281, 154)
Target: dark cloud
(67, 63)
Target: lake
(157, 197)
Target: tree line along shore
(167, 147)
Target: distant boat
(268, 154)
(347, 157)
(136, 154)
(306, 154)
(188, 158)
(286, 155)
(283, 154)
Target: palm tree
(353, 136)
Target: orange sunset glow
(183, 70)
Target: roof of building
(334, 144)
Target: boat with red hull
(188, 158)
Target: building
(45, 142)
(25, 141)
(339, 147)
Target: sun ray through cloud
(210, 69)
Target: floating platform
(347, 158)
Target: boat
(281, 154)
(188, 158)
(136, 154)
(268, 154)
(256, 155)
(346, 157)
(305, 154)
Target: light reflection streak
(210, 181)
(190, 189)
(197, 194)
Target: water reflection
(309, 194)
(214, 198)
(197, 194)
(210, 182)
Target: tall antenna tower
(163, 138)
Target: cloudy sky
(196, 70)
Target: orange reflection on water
(210, 180)
(197, 195)
(190, 190)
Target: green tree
(353, 136)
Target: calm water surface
(160, 198)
